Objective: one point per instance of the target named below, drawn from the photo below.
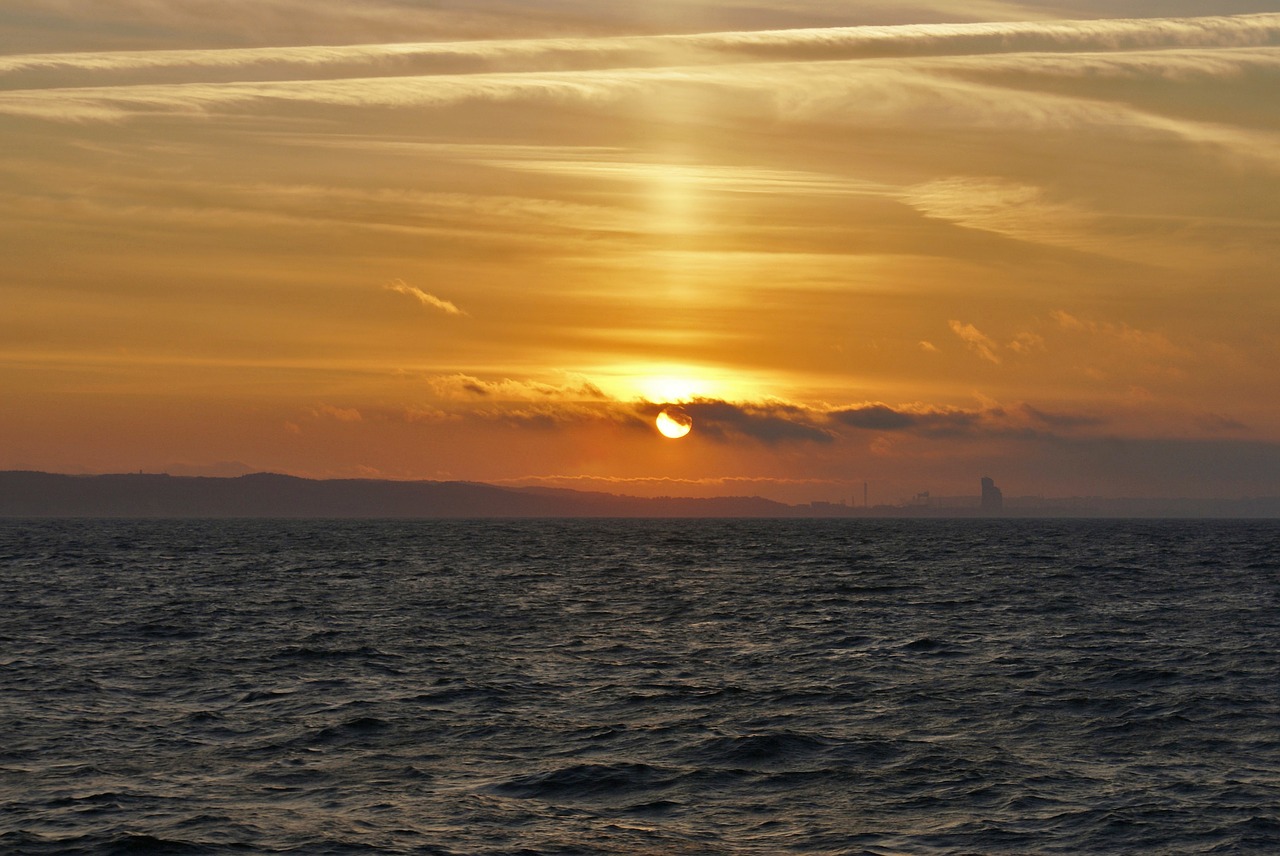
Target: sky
(895, 244)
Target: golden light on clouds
(666, 382)
(429, 301)
(908, 243)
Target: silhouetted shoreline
(268, 495)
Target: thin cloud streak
(837, 43)
(430, 301)
(942, 93)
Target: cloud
(282, 22)
(1026, 342)
(463, 387)
(735, 178)
(557, 415)
(428, 300)
(1022, 421)
(1055, 420)
(780, 422)
(913, 40)
(1067, 321)
(1026, 75)
(875, 417)
(428, 415)
(768, 422)
(341, 414)
(474, 404)
(771, 422)
(930, 421)
(791, 45)
(1020, 211)
(1146, 342)
(977, 341)
(545, 406)
(199, 99)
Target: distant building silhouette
(920, 500)
(992, 497)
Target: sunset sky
(902, 243)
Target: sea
(836, 686)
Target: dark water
(578, 687)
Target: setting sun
(673, 422)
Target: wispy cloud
(1017, 210)
(1150, 343)
(341, 414)
(980, 343)
(793, 45)
(960, 75)
(463, 387)
(428, 300)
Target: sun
(673, 422)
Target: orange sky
(902, 243)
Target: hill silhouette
(35, 494)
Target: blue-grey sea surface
(640, 687)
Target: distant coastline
(30, 494)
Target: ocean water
(640, 687)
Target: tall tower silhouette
(992, 497)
